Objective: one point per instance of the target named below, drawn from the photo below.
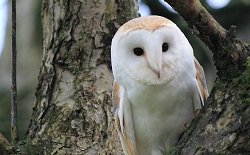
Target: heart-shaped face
(151, 50)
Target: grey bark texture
(73, 113)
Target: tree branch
(5, 146)
(14, 134)
(230, 54)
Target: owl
(158, 84)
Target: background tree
(29, 43)
(73, 110)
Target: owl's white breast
(160, 111)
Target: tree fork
(230, 54)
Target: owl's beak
(158, 73)
(156, 70)
(154, 60)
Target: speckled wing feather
(201, 80)
(124, 120)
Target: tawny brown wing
(201, 80)
(124, 120)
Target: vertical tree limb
(14, 134)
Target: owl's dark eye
(138, 51)
(164, 47)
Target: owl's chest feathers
(160, 112)
(160, 98)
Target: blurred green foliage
(29, 50)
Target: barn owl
(158, 84)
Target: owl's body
(160, 113)
(158, 84)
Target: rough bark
(5, 146)
(73, 112)
(223, 126)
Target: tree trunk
(73, 113)
(223, 126)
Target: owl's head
(151, 50)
